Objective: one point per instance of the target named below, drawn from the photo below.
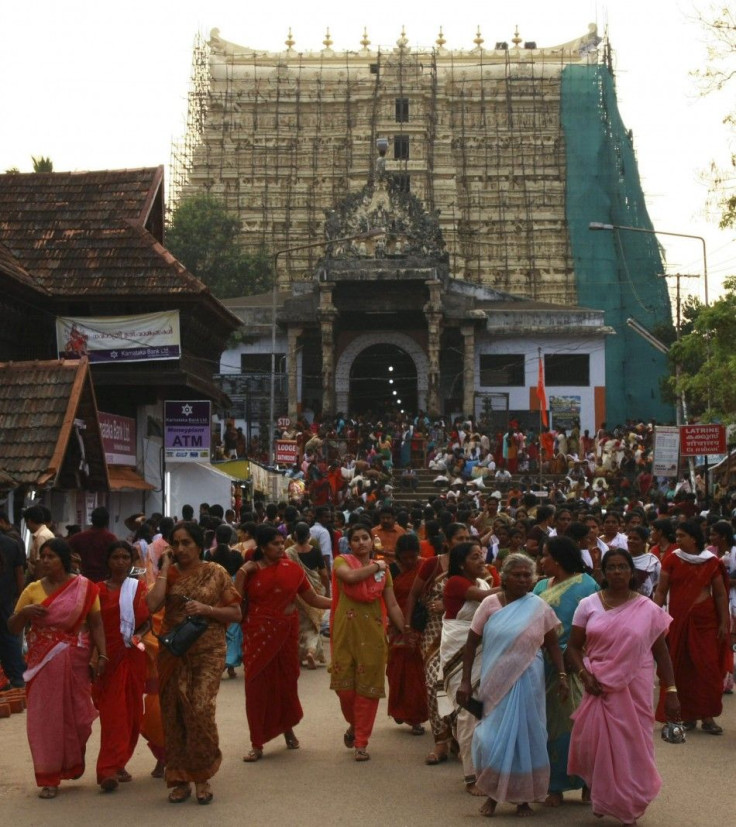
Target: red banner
(698, 440)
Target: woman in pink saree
(63, 611)
(611, 746)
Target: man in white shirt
(35, 520)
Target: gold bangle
(102, 657)
(562, 675)
(671, 689)
(162, 577)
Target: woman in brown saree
(188, 685)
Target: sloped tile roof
(82, 234)
(9, 266)
(38, 403)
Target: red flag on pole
(542, 394)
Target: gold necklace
(608, 605)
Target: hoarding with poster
(565, 411)
(287, 451)
(187, 430)
(698, 440)
(150, 336)
(666, 450)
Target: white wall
(529, 347)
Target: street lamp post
(274, 298)
(597, 225)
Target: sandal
(108, 785)
(311, 662)
(292, 742)
(159, 770)
(124, 776)
(437, 756)
(349, 738)
(712, 728)
(361, 754)
(180, 794)
(418, 729)
(204, 793)
(48, 792)
(253, 756)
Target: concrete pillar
(468, 332)
(434, 316)
(293, 407)
(327, 314)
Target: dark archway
(381, 377)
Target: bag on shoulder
(181, 638)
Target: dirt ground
(322, 784)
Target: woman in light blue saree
(564, 586)
(510, 742)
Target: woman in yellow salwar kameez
(362, 596)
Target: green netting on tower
(615, 271)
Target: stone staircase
(426, 491)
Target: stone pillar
(433, 315)
(468, 332)
(292, 365)
(327, 314)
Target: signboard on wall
(150, 336)
(118, 437)
(187, 430)
(565, 410)
(698, 440)
(666, 450)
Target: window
(567, 369)
(401, 147)
(402, 110)
(502, 370)
(403, 182)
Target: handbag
(181, 638)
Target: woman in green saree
(563, 587)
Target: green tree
(42, 164)
(205, 237)
(707, 358)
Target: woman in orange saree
(188, 685)
(407, 694)
(118, 695)
(63, 611)
(271, 584)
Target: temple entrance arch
(363, 376)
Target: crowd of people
(492, 615)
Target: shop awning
(123, 478)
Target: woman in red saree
(699, 636)
(118, 694)
(63, 611)
(407, 695)
(188, 685)
(271, 583)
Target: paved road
(321, 784)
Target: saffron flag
(542, 394)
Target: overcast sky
(96, 85)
